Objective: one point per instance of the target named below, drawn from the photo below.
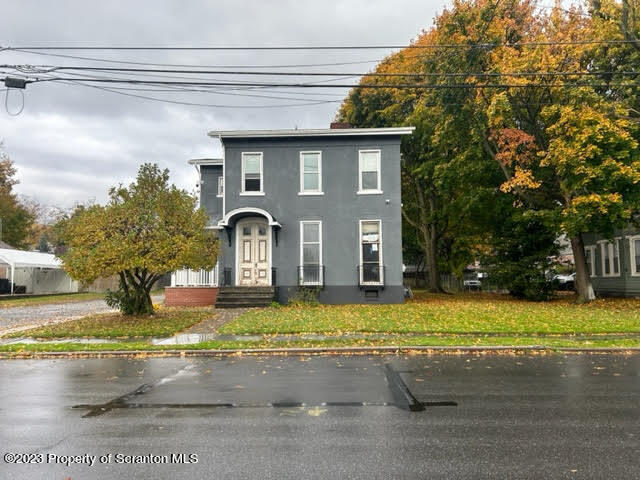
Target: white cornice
(322, 132)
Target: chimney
(338, 125)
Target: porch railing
(371, 275)
(311, 275)
(195, 278)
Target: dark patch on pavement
(402, 398)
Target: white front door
(253, 251)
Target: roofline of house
(205, 161)
(318, 132)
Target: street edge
(381, 350)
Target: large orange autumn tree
(518, 106)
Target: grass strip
(451, 341)
(165, 322)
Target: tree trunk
(428, 230)
(135, 292)
(431, 243)
(583, 282)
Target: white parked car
(565, 282)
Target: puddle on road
(283, 387)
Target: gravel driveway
(23, 318)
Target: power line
(426, 104)
(329, 74)
(191, 65)
(373, 86)
(177, 102)
(317, 47)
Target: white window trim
(632, 255)
(376, 191)
(220, 187)
(592, 251)
(380, 259)
(321, 273)
(242, 179)
(609, 245)
(311, 192)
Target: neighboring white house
(38, 273)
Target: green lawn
(551, 343)
(7, 302)
(428, 313)
(165, 322)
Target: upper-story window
(369, 172)
(252, 173)
(220, 186)
(310, 173)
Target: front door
(253, 252)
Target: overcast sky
(70, 143)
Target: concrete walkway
(211, 325)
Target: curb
(381, 350)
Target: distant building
(614, 264)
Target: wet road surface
(554, 416)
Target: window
(369, 172)
(634, 250)
(590, 256)
(220, 186)
(610, 253)
(371, 252)
(311, 271)
(310, 173)
(252, 174)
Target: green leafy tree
(43, 243)
(520, 258)
(146, 230)
(16, 219)
(447, 176)
(569, 152)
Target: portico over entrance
(250, 232)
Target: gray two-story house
(308, 209)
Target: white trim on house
(206, 161)
(302, 172)
(186, 277)
(378, 189)
(244, 192)
(610, 246)
(380, 259)
(592, 252)
(632, 255)
(224, 175)
(318, 132)
(236, 211)
(320, 258)
(220, 186)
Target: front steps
(244, 297)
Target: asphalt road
(554, 416)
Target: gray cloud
(72, 142)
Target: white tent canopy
(21, 259)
